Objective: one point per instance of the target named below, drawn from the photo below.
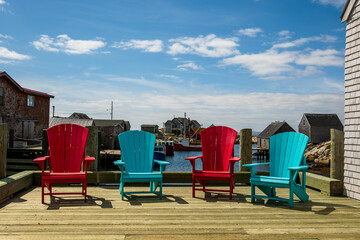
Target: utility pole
(53, 107)
(112, 110)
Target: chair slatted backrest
(67, 147)
(217, 147)
(137, 151)
(286, 150)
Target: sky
(241, 64)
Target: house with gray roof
(317, 126)
(263, 139)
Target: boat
(183, 145)
(169, 147)
(159, 152)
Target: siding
(352, 106)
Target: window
(30, 101)
(1, 96)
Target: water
(179, 164)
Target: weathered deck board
(176, 216)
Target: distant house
(76, 115)
(25, 111)
(82, 122)
(151, 128)
(109, 131)
(176, 125)
(317, 126)
(263, 139)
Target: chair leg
(203, 182)
(151, 187)
(193, 187)
(252, 193)
(161, 185)
(42, 192)
(122, 190)
(85, 188)
(231, 189)
(291, 197)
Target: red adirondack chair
(217, 148)
(67, 161)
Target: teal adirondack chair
(286, 160)
(137, 160)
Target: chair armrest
(303, 167)
(193, 158)
(41, 162)
(235, 159)
(192, 161)
(161, 162)
(253, 165)
(119, 163)
(88, 161)
(91, 159)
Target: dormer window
(1, 96)
(30, 101)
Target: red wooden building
(25, 111)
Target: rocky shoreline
(318, 157)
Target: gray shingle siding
(352, 105)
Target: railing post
(245, 147)
(92, 147)
(337, 154)
(3, 149)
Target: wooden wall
(352, 105)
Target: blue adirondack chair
(286, 159)
(137, 160)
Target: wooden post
(337, 154)
(3, 149)
(92, 147)
(245, 147)
(45, 143)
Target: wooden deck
(176, 216)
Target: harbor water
(179, 164)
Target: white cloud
(8, 56)
(188, 65)
(270, 62)
(250, 32)
(284, 34)
(206, 46)
(336, 3)
(63, 43)
(5, 36)
(279, 63)
(2, 2)
(146, 45)
(328, 57)
(302, 41)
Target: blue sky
(241, 64)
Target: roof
(348, 7)
(322, 120)
(272, 129)
(149, 125)
(76, 115)
(24, 90)
(106, 122)
(81, 122)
